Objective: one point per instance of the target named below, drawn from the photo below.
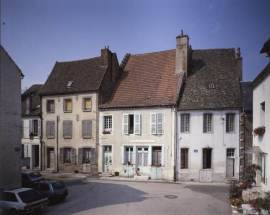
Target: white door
(142, 161)
(51, 162)
(107, 159)
(230, 167)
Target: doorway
(107, 161)
(207, 158)
(35, 156)
(143, 159)
(50, 158)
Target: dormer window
(69, 83)
(211, 86)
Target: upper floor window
(87, 104)
(50, 106)
(131, 123)
(207, 123)
(67, 129)
(230, 122)
(230, 152)
(156, 121)
(185, 125)
(86, 129)
(262, 113)
(107, 124)
(67, 105)
(184, 158)
(50, 129)
(34, 127)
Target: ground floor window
(87, 155)
(230, 152)
(67, 155)
(129, 155)
(207, 158)
(264, 168)
(184, 158)
(156, 156)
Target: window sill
(67, 111)
(50, 137)
(50, 112)
(87, 110)
(87, 137)
(67, 137)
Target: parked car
(29, 177)
(53, 190)
(23, 201)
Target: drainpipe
(57, 122)
(41, 134)
(175, 144)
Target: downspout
(175, 144)
(57, 121)
(41, 134)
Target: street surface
(93, 196)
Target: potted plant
(257, 204)
(236, 202)
(235, 191)
(128, 163)
(259, 130)
(87, 160)
(67, 160)
(243, 185)
(106, 131)
(266, 203)
(248, 175)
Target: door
(50, 154)
(230, 167)
(143, 159)
(107, 159)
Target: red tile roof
(147, 80)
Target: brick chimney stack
(28, 104)
(106, 56)
(182, 50)
(239, 64)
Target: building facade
(10, 122)
(31, 124)
(70, 117)
(207, 133)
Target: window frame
(228, 127)
(47, 101)
(185, 160)
(35, 126)
(83, 104)
(183, 128)
(65, 105)
(205, 122)
(154, 121)
(110, 128)
(230, 152)
(70, 155)
(155, 155)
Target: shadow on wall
(92, 195)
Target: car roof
(29, 171)
(49, 181)
(18, 190)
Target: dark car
(54, 190)
(29, 177)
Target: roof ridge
(213, 49)
(153, 52)
(124, 61)
(72, 61)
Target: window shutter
(30, 126)
(25, 154)
(90, 128)
(61, 155)
(70, 129)
(93, 156)
(125, 124)
(153, 123)
(39, 127)
(84, 128)
(22, 130)
(122, 155)
(159, 123)
(48, 130)
(80, 156)
(52, 129)
(67, 129)
(137, 123)
(163, 156)
(73, 156)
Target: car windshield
(34, 175)
(30, 196)
(58, 185)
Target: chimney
(182, 50)
(28, 104)
(106, 56)
(238, 65)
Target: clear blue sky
(39, 32)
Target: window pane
(184, 158)
(68, 105)
(207, 122)
(184, 122)
(87, 104)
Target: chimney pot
(182, 32)
(238, 54)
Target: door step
(106, 174)
(230, 180)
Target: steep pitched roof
(147, 80)
(263, 74)
(247, 95)
(211, 66)
(33, 92)
(86, 76)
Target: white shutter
(159, 123)
(25, 153)
(153, 126)
(137, 123)
(122, 155)
(163, 156)
(30, 126)
(39, 127)
(125, 124)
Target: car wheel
(63, 198)
(49, 201)
(13, 212)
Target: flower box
(259, 130)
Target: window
(184, 158)
(264, 168)
(185, 123)
(65, 155)
(156, 121)
(207, 158)
(86, 155)
(230, 152)
(211, 86)
(87, 104)
(35, 127)
(262, 115)
(67, 105)
(107, 124)
(50, 129)
(10, 197)
(131, 124)
(86, 129)
(44, 187)
(67, 129)
(157, 156)
(129, 155)
(230, 122)
(69, 84)
(50, 106)
(207, 123)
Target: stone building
(31, 123)
(10, 122)
(69, 106)
(207, 132)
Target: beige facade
(138, 142)
(77, 141)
